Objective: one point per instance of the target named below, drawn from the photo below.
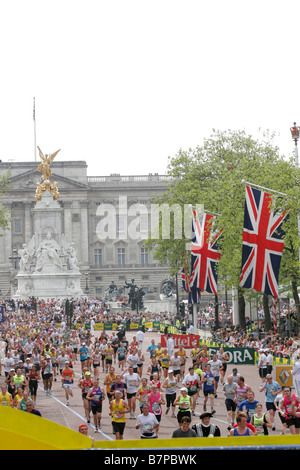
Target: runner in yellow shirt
(143, 392)
(158, 351)
(182, 355)
(109, 352)
(108, 381)
(164, 361)
(117, 409)
(5, 397)
(194, 353)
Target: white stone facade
(100, 260)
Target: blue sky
(125, 84)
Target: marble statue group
(51, 254)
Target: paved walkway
(54, 407)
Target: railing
(128, 178)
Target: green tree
(212, 175)
(5, 218)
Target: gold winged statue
(46, 186)
(44, 166)
(46, 171)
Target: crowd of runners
(137, 382)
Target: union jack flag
(204, 254)
(262, 243)
(185, 279)
(194, 293)
(194, 296)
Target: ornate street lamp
(86, 283)
(295, 132)
(15, 259)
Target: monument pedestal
(48, 264)
(48, 285)
(160, 306)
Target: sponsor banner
(152, 324)
(283, 375)
(103, 326)
(186, 341)
(236, 355)
(276, 361)
(99, 326)
(114, 326)
(168, 329)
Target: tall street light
(295, 132)
(86, 290)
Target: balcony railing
(128, 179)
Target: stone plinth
(158, 306)
(48, 263)
(48, 285)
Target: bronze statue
(44, 166)
(46, 186)
(46, 171)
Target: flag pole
(262, 187)
(212, 213)
(34, 129)
(207, 212)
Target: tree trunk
(297, 303)
(268, 323)
(294, 282)
(242, 305)
(217, 324)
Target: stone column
(7, 238)
(27, 222)
(68, 221)
(235, 307)
(47, 215)
(84, 222)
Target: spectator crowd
(40, 344)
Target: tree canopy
(4, 212)
(211, 175)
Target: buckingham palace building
(107, 217)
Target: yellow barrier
(23, 431)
